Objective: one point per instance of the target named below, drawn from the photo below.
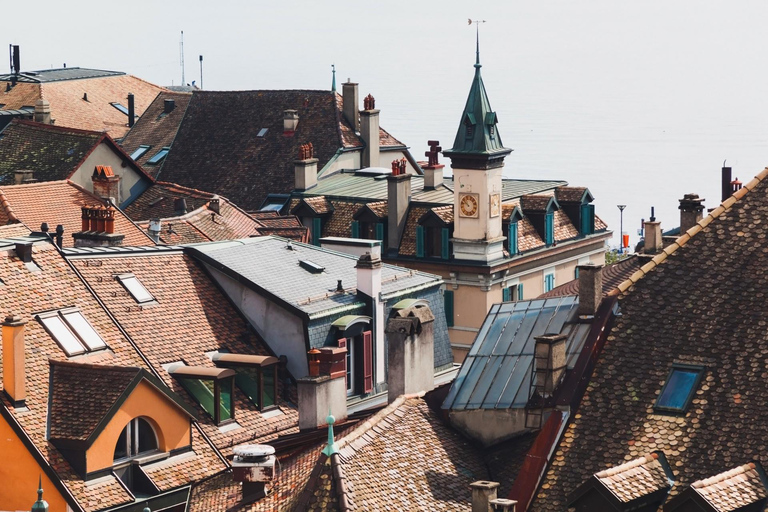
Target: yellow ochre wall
(19, 473)
(172, 426)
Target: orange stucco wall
(19, 472)
(172, 426)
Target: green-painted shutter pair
(549, 228)
(512, 238)
(445, 238)
(587, 219)
(448, 300)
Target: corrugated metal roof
(57, 75)
(351, 185)
(496, 373)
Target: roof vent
(168, 106)
(180, 205)
(339, 287)
(311, 267)
(253, 465)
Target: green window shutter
(576, 272)
(506, 294)
(380, 231)
(419, 241)
(520, 291)
(584, 229)
(355, 229)
(512, 238)
(549, 282)
(549, 228)
(448, 299)
(316, 230)
(591, 219)
(445, 247)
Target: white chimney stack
(253, 465)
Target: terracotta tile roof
(12, 230)
(286, 221)
(733, 489)
(564, 229)
(699, 302)
(408, 240)
(156, 129)
(534, 203)
(570, 194)
(22, 95)
(261, 215)
(507, 209)
(379, 209)
(81, 395)
(613, 275)
(53, 153)
(445, 213)
(320, 205)
(59, 202)
(528, 238)
(192, 317)
(340, 223)
(636, 478)
(296, 234)
(157, 201)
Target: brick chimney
(98, 228)
(324, 389)
(42, 111)
(411, 352)
(369, 132)
(106, 184)
(13, 360)
(482, 494)
(253, 466)
(305, 168)
(398, 199)
(350, 104)
(290, 122)
(653, 241)
(550, 362)
(23, 176)
(726, 183)
(215, 204)
(691, 211)
(433, 171)
(590, 288)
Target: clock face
(495, 205)
(468, 205)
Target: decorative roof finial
(40, 505)
(477, 25)
(332, 447)
(333, 84)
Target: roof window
(70, 329)
(212, 388)
(158, 156)
(678, 390)
(256, 376)
(119, 106)
(140, 152)
(135, 288)
(310, 266)
(262, 132)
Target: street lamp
(621, 227)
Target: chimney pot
(44, 227)
(653, 242)
(590, 288)
(324, 389)
(180, 205)
(106, 184)
(215, 205)
(691, 211)
(502, 505)
(482, 494)
(24, 251)
(14, 383)
(131, 110)
(42, 111)
(305, 168)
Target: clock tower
(477, 159)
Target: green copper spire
(332, 447)
(333, 83)
(478, 138)
(40, 505)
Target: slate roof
(496, 373)
(571, 194)
(739, 487)
(55, 286)
(613, 275)
(192, 317)
(217, 147)
(60, 202)
(280, 275)
(64, 90)
(156, 129)
(699, 302)
(157, 201)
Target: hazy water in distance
(641, 101)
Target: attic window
(256, 376)
(212, 388)
(158, 156)
(135, 288)
(122, 108)
(139, 152)
(311, 266)
(138, 437)
(262, 132)
(678, 390)
(70, 329)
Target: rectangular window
(256, 376)
(549, 228)
(139, 152)
(212, 388)
(419, 241)
(367, 362)
(509, 294)
(448, 305)
(83, 329)
(159, 156)
(262, 132)
(122, 108)
(60, 332)
(512, 238)
(69, 328)
(135, 288)
(679, 388)
(355, 229)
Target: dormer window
(549, 228)
(434, 232)
(69, 328)
(212, 388)
(679, 388)
(256, 376)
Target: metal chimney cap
(253, 450)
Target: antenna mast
(181, 59)
(201, 71)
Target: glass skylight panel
(63, 336)
(158, 156)
(135, 288)
(681, 384)
(84, 330)
(120, 107)
(139, 152)
(262, 132)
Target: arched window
(137, 437)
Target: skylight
(158, 156)
(262, 132)
(311, 266)
(70, 329)
(122, 108)
(135, 288)
(139, 152)
(678, 391)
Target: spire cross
(477, 29)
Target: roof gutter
(412, 289)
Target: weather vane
(477, 23)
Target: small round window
(137, 437)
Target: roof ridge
(139, 79)
(725, 475)
(59, 128)
(685, 237)
(6, 205)
(627, 465)
(172, 185)
(94, 366)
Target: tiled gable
(733, 489)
